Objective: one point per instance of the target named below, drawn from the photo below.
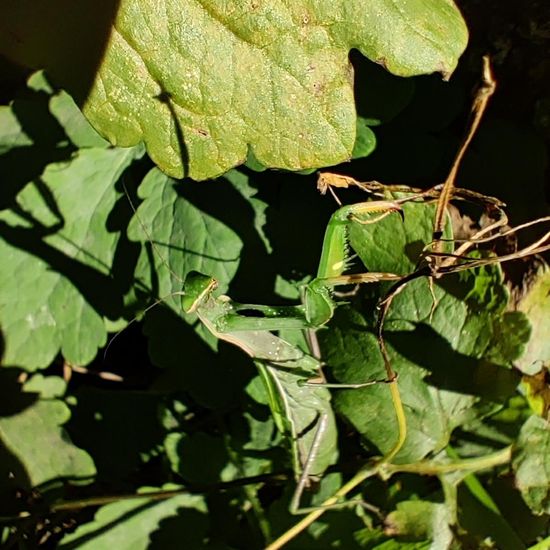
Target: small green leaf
(511, 334)
(78, 129)
(531, 464)
(12, 134)
(253, 163)
(34, 438)
(260, 433)
(186, 455)
(139, 523)
(257, 391)
(49, 387)
(420, 520)
(365, 140)
(536, 305)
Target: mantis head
(196, 290)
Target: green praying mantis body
(301, 408)
(302, 412)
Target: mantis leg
(360, 385)
(305, 478)
(293, 317)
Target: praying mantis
(301, 412)
(298, 397)
(300, 406)
(284, 368)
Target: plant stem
(424, 468)
(429, 467)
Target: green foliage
(532, 464)
(212, 81)
(463, 326)
(35, 448)
(165, 218)
(135, 524)
(536, 306)
(422, 520)
(169, 410)
(52, 227)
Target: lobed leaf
(180, 237)
(204, 82)
(535, 304)
(185, 238)
(35, 447)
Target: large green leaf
(57, 251)
(180, 237)
(183, 237)
(471, 342)
(201, 82)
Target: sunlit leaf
(536, 305)
(202, 82)
(35, 448)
